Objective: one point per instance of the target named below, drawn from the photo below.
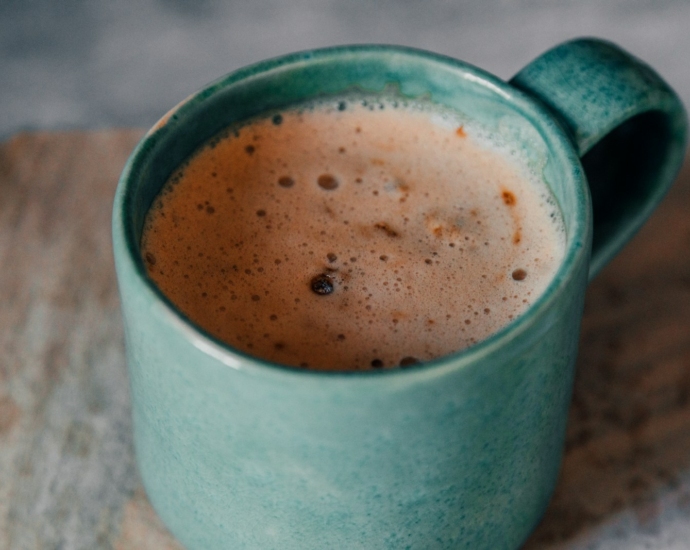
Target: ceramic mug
(459, 452)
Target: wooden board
(68, 478)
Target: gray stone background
(106, 63)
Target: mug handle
(627, 125)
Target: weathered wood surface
(68, 479)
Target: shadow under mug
(459, 452)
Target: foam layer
(352, 236)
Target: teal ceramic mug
(460, 452)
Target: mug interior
(394, 73)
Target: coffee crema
(352, 235)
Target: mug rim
(559, 144)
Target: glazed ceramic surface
(460, 452)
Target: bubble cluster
(353, 234)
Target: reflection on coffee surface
(352, 235)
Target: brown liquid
(351, 239)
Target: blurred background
(119, 63)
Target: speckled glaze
(461, 452)
(625, 122)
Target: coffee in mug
(354, 233)
(461, 452)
